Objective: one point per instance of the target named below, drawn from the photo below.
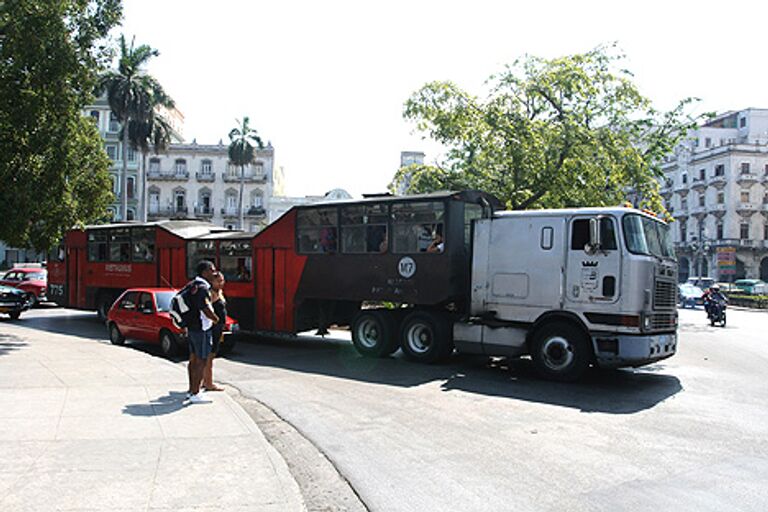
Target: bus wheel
(168, 344)
(103, 305)
(560, 351)
(426, 337)
(115, 336)
(15, 315)
(373, 333)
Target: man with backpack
(199, 318)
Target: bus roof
(182, 228)
(469, 196)
(565, 212)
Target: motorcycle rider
(713, 296)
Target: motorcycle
(716, 313)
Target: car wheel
(15, 315)
(426, 337)
(373, 333)
(115, 336)
(561, 351)
(33, 302)
(168, 344)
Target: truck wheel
(15, 315)
(168, 344)
(115, 336)
(426, 337)
(373, 333)
(560, 351)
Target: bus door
(75, 276)
(272, 310)
(165, 267)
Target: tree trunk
(240, 212)
(143, 214)
(124, 177)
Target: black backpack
(182, 310)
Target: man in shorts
(202, 318)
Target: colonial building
(716, 186)
(408, 158)
(198, 180)
(281, 204)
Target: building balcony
(747, 178)
(736, 242)
(230, 213)
(682, 189)
(698, 184)
(167, 176)
(248, 178)
(255, 211)
(697, 211)
(205, 176)
(203, 211)
(167, 212)
(717, 181)
(718, 209)
(746, 208)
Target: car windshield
(648, 236)
(37, 276)
(164, 300)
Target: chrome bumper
(614, 351)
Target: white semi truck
(571, 288)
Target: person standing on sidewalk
(220, 308)
(199, 330)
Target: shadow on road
(10, 344)
(614, 391)
(166, 404)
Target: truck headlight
(647, 322)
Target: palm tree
(133, 96)
(242, 151)
(153, 133)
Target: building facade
(198, 181)
(716, 187)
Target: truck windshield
(648, 236)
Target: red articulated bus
(317, 266)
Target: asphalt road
(689, 433)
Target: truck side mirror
(594, 235)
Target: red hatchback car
(144, 314)
(33, 280)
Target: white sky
(325, 81)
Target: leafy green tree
(244, 141)
(570, 131)
(133, 96)
(53, 167)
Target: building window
(765, 198)
(743, 122)
(205, 167)
(258, 170)
(154, 202)
(181, 167)
(702, 174)
(112, 152)
(766, 170)
(180, 201)
(683, 204)
(765, 231)
(95, 116)
(701, 199)
(744, 167)
(114, 124)
(257, 199)
(744, 231)
(719, 230)
(720, 170)
(115, 185)
(154, 166)
(745, 196)
(685, 178)
(683, 232)
(131, 187)
(708, 142)
(131, 214)
(720, 197)
(131, 154)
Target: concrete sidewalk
(85, 425)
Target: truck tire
(373, 333)
(426, 337)
(169, 345)
(561, 352)
(15, 315)
(115, 336)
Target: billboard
(726, 261)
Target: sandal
(213, 388)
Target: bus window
(235, 260)
(471, 212)
(143, 244)
(120, 244)
(364, 229)
(416, 226)
(199, 250)
(56, 253)
(97, 245)
(317, 231)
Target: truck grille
(663, 321)
(664, 295)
